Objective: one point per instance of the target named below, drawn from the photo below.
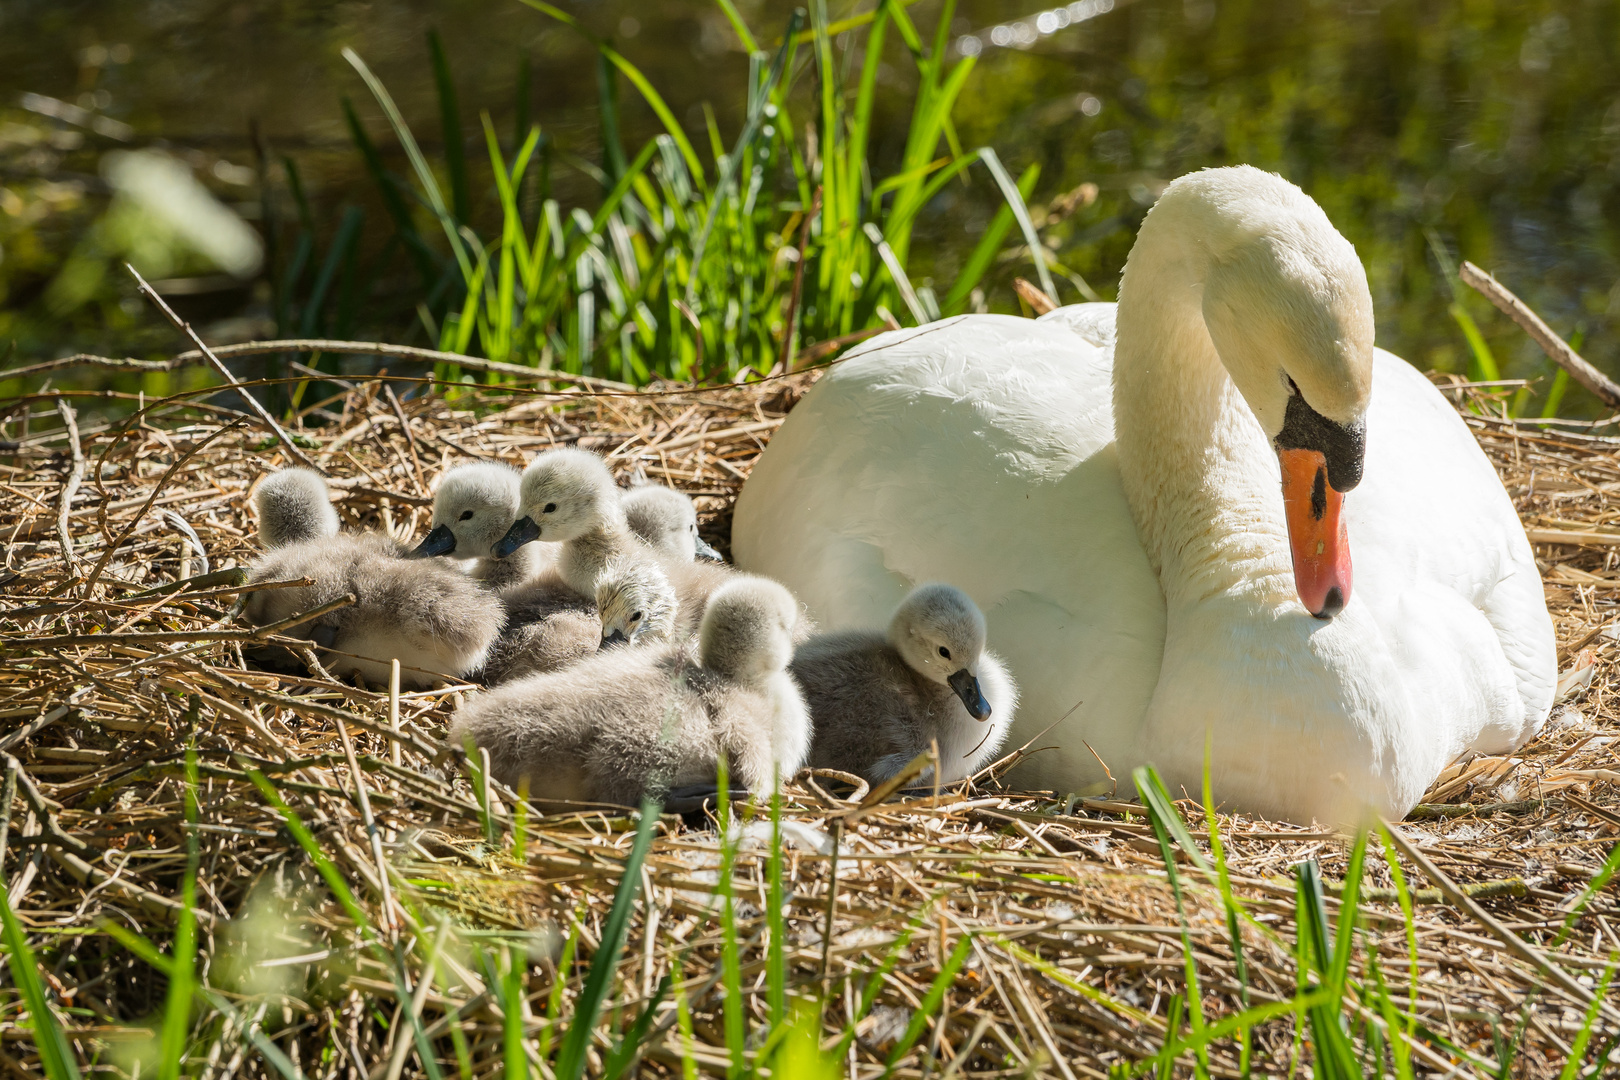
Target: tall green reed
(686, 267)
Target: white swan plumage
(1143, 589)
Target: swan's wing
(1094, 322)
(1442, 559)
(976, 451)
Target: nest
(1055, 919)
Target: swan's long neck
(1199, 473)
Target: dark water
(1487, 129)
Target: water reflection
(1493, 127)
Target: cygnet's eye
(550, 508)
(466, 515)
(943, 651)
(636, 617)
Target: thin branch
(798, 285)
(1607, 390)
(224, 372)
(70, 487)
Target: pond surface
(1446, 129)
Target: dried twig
(1607, 390)
(224, 372)
(70, 486)
(790, 323)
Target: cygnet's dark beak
(522, 531)
(967, 688)
(704, 551)
(441, 541)
(615, 638)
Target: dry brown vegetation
(116, 657)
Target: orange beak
(1315, 533)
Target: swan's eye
(550, 508)
(466, 515)
(943, 651)
(636, 617)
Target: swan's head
(473, 508)
(940, 633)
(1287, 306)
(667, 521)
(563, 494)
(636, 601)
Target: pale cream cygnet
(473, 508)
(637, 604)
(666, 521)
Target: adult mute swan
(1113, 506)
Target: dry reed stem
(102, 686)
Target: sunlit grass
(688, 265)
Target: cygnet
(548, 627)
(630, 722)
(637, 604)
(877, 701)
(433, 619)
(293, 505)
(666, 521)
(568, 497)
(473, 508)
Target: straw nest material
(117, 655)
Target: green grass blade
(343, 245)
(733, 1017)
(517, 1061)
(1577, 1050)
(388, 188)
(182, 974)
(776, 956)
(599, 980)
(1229, 901)
(758, 98)
(930, 1003)
(419, 165)
(984, 252)
(305, 839)
(1610, 866)
(607, 114)
(55, 1056)
(637, 79)
(1166, 821)
(1348, 911)
(1015, 199)
(1161, 807)
(1555, 394)
(625, 1053)
(740, 27)
(455, 153)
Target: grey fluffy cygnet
(548, 627)
(637, 604)
(432, 618)
(568, 497)
(293, 504)
(879, 700)
(629, 722)
(473, 509)
(666, 521)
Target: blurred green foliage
(1479, 129)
